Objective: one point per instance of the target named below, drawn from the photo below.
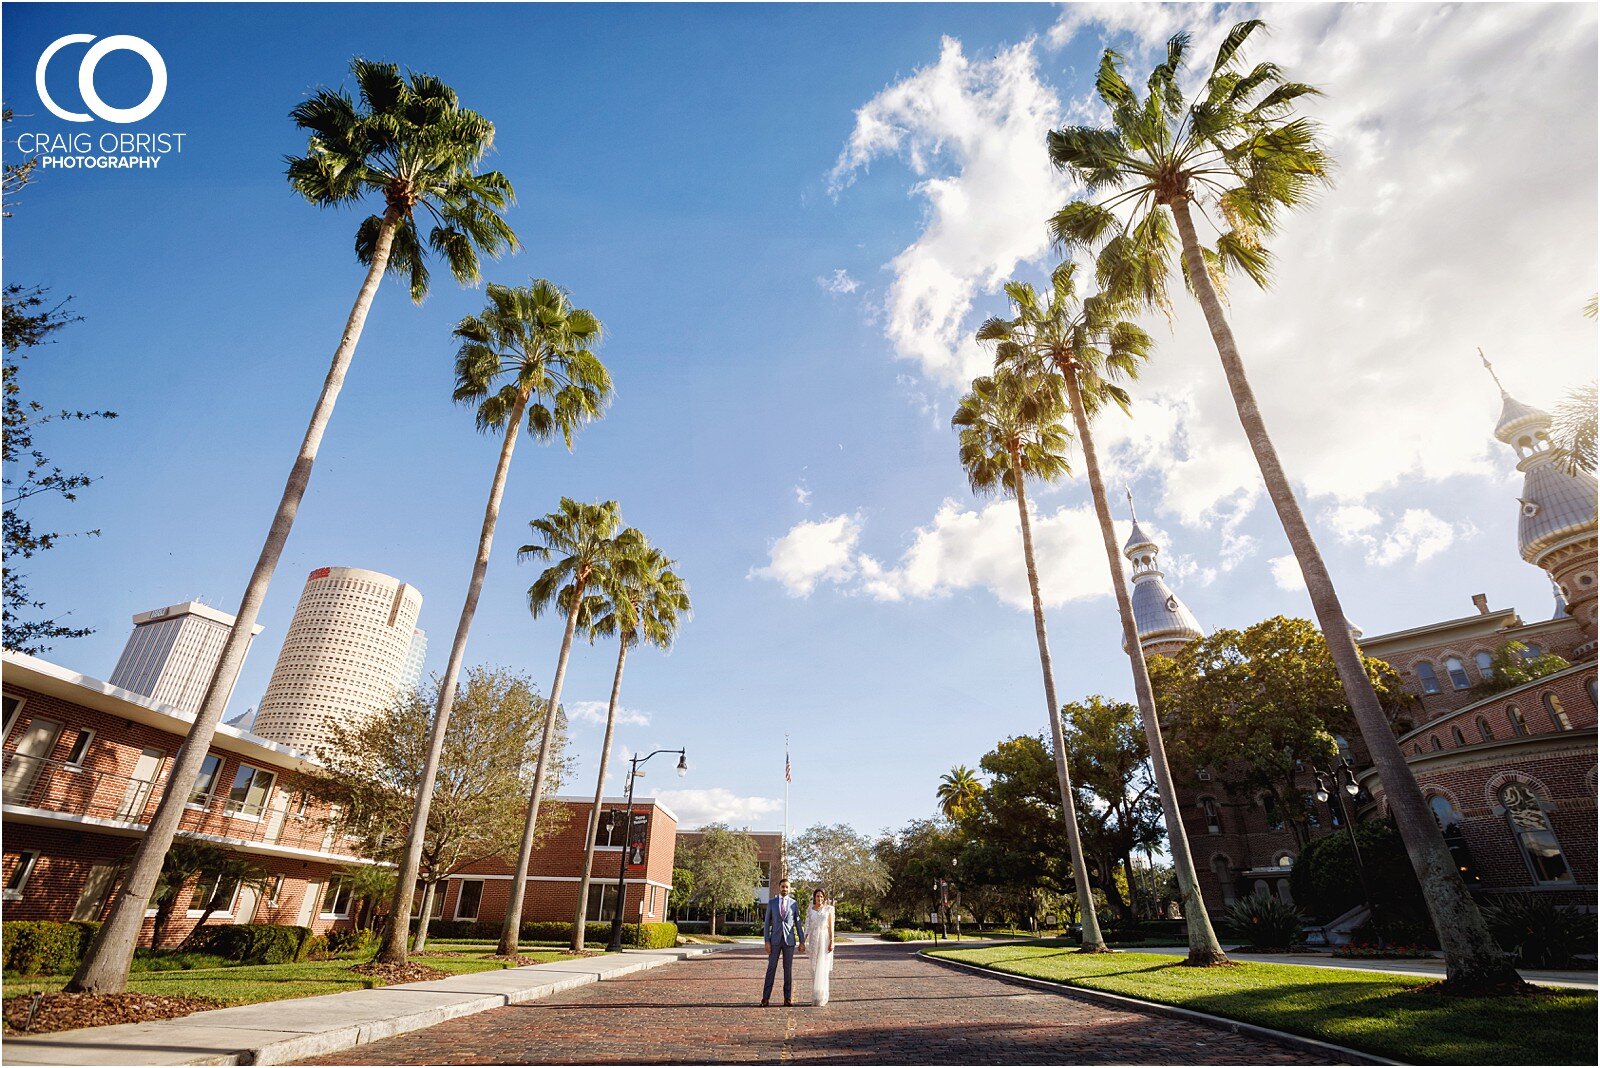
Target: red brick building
(84, 766)
(769, 859)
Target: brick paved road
(888, 1007)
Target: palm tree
(644, 601)
(581, 539)
(1237, 149)
(527, 358)
(1088, 343)
(1574, 434)
(411, 142)
(959, 791)
(1011, 430)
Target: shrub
(254, 943)
(1539, 931)
(1267, 922)
(906, 934)
(1326, 882)
(1369, 951)
(634, 935)
(351, 940)
(315, 948)
(44, 947)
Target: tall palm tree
(1010, 431)
(410, 141)
(1089, 343)
(1238, 150)
(959, 791)
(1575, 434)
(644, 601)
(527, 359)
(581, 540)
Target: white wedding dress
(819, 931)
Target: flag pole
(786, 776)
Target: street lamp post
(627, 841)
(1329, 786)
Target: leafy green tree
(1018, 833)
(724, 868)
(1091, 345)
(1511, 666)
(1110, 764)
(682, 890)
(410, 142)
(374, 768)
(1238, 152)
(582, 540)
(186, 859)
(526, 359)
(1010, 431)
(959, 791)
(1261, 705)
(1327, 883)
(642, 600)
(839, 860)
(914, 859)
(371, 885)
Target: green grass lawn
(1383, 1014)
(246, 983)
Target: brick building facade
(769, 860)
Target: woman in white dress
(819, 940)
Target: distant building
(344, 657)
(769, 862)
(411, 673)
(173, 653)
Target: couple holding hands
(781, 933)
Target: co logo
(91, 59)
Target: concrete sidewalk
(1430, 967)
(277, 1032)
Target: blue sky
(790, 219)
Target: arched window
(1269, 805)
(1283, 892)
(1443, 811)
(1484, 730)
(1433, 743)
(1213, 821)
(1557, 714)
(1426, 676)
(1519, 726)
(1455, 732)
(1284, 860)
(1485, 664)
(1531, 828)
(1589, 685)
(1308, 805)
(1219, 867)
(1416, 750)
(1458, 673)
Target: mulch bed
(391, 974)
(63, 1012)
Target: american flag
(788, 772)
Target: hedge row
(44, 947)
(634, 935)
(258, 943)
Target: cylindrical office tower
(343, 658)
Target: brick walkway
(888, 1007)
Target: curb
(1335, 1054)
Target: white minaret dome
(1164, 623)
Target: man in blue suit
(780, 933)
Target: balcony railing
(84, 790)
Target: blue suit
(781, 931)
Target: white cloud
(1418, 536)
(595, 712)
(812, 552)
(972, 134)
(838, 282)
(695, 808)
(802, 495)
(1286, 573)
(1352, 520)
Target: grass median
(1388, 1015)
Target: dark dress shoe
(787, 1003)
(763, 1003)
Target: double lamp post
(627, 841)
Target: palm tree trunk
(1092, 940)
(1473, 961)
(511, 930)
(429, 890)
(104, 969)
(393, 950)
(1204, 949)
(578, 921)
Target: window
(251, 788)
(1531, 828)
(1213, 820)
(1219, 867)
(1426, 675)
(1416, 750)
(275, 891)
(301, 804)
(21, 865)
(1344, 747)
(766, 873)
(609, 834)
(1269, 805)
(1519, 726)
(1557, 714)
(1484, 730)
(468, 900)
(1455, 732)
(1534, 649)
(1284, 860)
(1433, 743)
(336, 898)
(1443, 811)
(1485, 664)
(602, 905)
(13, 707)
(1308, 805)
(214, 891)
(1589, 686)
(1458, 673)
(207, 782)
(436, 910)
(80, 748)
